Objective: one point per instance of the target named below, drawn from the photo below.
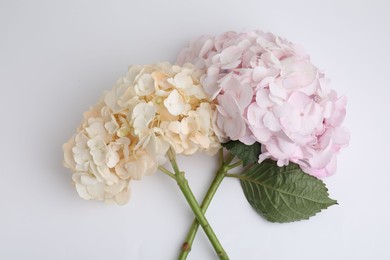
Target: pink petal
(299, 100)
(229, 104)
(277, 90)
(259, 73)
(292, 122)
(241, 93)
(262, 98)
(207, 46)
(230, 54)
(262, 134)
(271, 122)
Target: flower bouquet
(253, 98)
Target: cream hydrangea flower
(127, 134)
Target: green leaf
(246, 153)
(284, 194)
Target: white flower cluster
(127, 134)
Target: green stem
(220, 175)
(232, 175)
(184, 187)
(167, 172)
(234, 165)
(220, 154)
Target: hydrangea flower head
(268, 91)
(127, 134)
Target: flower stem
(220, 154)
(167, 172)
(184, 187)
(234, 165)
(220, 175)
(232, 175)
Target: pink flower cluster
(269, 92)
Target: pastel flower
(241, 93)
(304, 115)
(229, 58)
(81, 154)
(127, 134)
(257, 124)
(145, 85)
(193, 133)
(297, 72)
(268, 91)
(137, 168)
(142, 116)
(174, 103)
(87, 186)
(230, 118)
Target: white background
(57, 57)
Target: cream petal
(112, 158)
(83, 192)
(68, 154)
(97, 191)
(144, 85)
(88, 180)
(123, 197)
(174, 103)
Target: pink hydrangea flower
(268, 91)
